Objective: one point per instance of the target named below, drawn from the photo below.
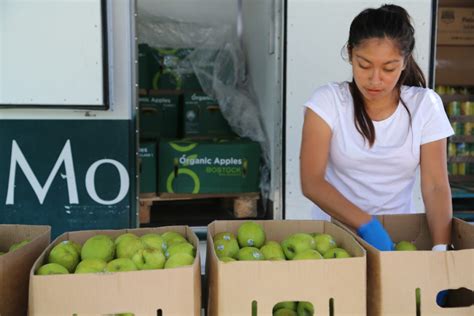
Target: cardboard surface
(234, 286)
(455, 26)
(176, 292)
(15, 266)
(455, 65)
(394, 276)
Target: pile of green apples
(405, 246)
(16, 246)
(293, 308)
(128, 252)
(251, 244)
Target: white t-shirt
(379, 179)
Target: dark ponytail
(388, 21)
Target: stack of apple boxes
(368, 283)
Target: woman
(364, 140)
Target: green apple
(307, 254)
(272, 251)
(148, 259)
(405, 246)
(324, 242)
(227, 259)
(172, 237)
(224, 235)
(91, 266)
(249, 253)
(305, 309)
(51, 268)
(183, 247)
(336, 253)
(155, 241)
(128, 247)
(121, 265)
(18, 245)
(179, 260)
(226, 247)
(297, 242)
(287, 304)
(76, 246)
(251, 234)
(98, 247)
(284, 312)
(64, 254)
(124, 237)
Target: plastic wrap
(219, 64)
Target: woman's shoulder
(419, 94)
(334, 91)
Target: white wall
(317, 33)
(121, 45)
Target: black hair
(392, 22)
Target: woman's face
(376, 66)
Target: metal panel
(76, 169)
(263, 44)
(317, 33)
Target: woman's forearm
(334, 203)
(438, 207)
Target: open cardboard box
(339, 283)
(394, 276)
(174, 292)
(15, 266)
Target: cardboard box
(15, 266)
(170, 69)
(148, 175)
(203, 118)
(208, 166)
(174, 292)
(234, 286)
(394, 276)
(455, 26)
(455, 65)
(159, 114)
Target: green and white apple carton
(15, 265)
(202, 117)
(174, 291)
(234, 286)
(394, 276)
(208, 166)
(148, 166)
(144, 75)
(159, 114)
(169, 69)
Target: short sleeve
(323, 103)
(436, 123)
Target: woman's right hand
(374, 233)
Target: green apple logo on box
(186, 171)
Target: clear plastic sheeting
(219, 64)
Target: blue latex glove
(441, 298)
(374, 233)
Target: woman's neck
(379, 110)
